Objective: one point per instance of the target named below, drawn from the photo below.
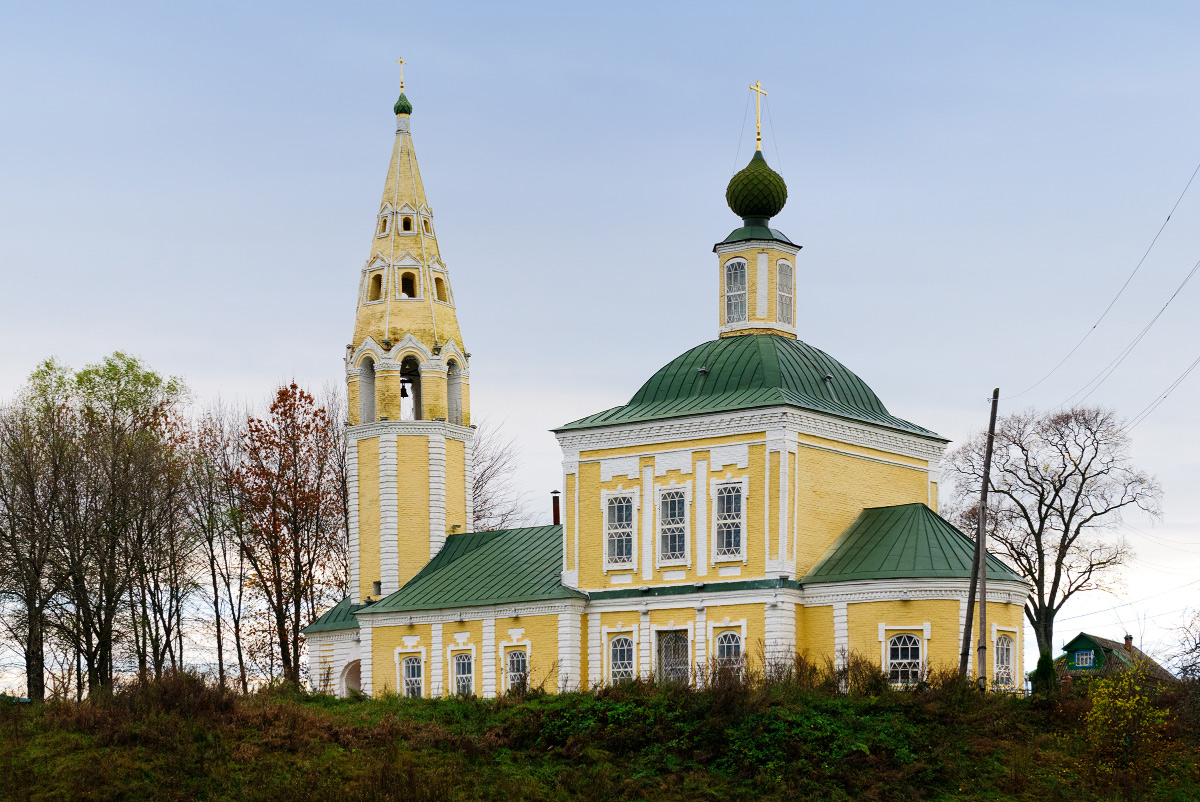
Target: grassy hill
(783, 739)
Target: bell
(404, 391)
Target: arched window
(729, 650)
(428, 230)
(375, 287)
(383, 223)
(439, 287)
(904, 659)
(410, 388)
(1003, 672)
(408, 285)
(735, 291)
(406, 224)
(413, 686)
(366, 390)
(786, 289)
(454, 412)
(620, 662)
(464, 675)
(518, 670)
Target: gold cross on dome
(757, 88)
(400, 61)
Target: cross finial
(759, 92)
(400, 61)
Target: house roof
(477, 568)
(748, 371)
(1115, 654)
(901, 542)
(340, 616)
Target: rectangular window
(735, 292)
(412, 677)
(619, 530)
(674, 662)
(518, 670)
(464, 675)
(729, 522)
(785, 293)
(1084, 659)
(672, 526)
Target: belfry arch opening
(439, 286)
(406, 224)
(410, 389)
(454, 393)
(408, 285)
(366, 391)
(375, 287)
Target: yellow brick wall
(474, 630)
(412, 491)
(541, 631)
(814, 633)
(387, 394)
(384, 642)
(352, 404)
(368, 515)
(456, 486)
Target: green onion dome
(402, 105)
(756, 192)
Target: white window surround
(516, 642)
(382, 229)
(626, 647)
(464, 681)
(713, 485)
(399, 224)
(718, 628)
(513, 678)
(901, 659)
(606, 636)
(415, 269)
(446, 282)
(923, 631)
(1000, 634)
(735, 274)
(605, 495)
(1085, 659)
(460, 646)
(409, 650)
(659, 490)
(671, 626)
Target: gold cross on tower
(757, 87)
(400, 61)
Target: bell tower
(409, 436)
(757, 263)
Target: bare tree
(1059, 484)
(496, 502)
(1187, 652)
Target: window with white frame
(464, 675)
(786, 288)
(729, 522)
(620, 659)
(413, 686)
(518, 670)
(618, 527)
(904, 659)
(735, 291)
(672, 526)
(1003, 672)
(1084, 659)
(729, 650)
(673, 656)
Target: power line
(774, 139)
(1153, 405)
(1111, 367)
(741, 134)
(1126, 604)
(1120, 292)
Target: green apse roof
(908, 541)
(476, 568)
(748, 371)
(340, 616)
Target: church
(753, 501)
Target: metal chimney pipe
(555, 508)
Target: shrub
(1124, 724)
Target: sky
(197, 184)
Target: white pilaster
(648, 534)
(762, 283)
(644, 638)
(366, 675)
(841, 635)
(488, 658)
(469, 464)
(437, 492)
(595, 649)
(389, 554)
(352, 492)
(569, 645)
(701, 534)
(701, 642)
(436, 660)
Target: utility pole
(979, 565)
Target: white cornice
(423, 428)
(452, 615)
(723, 248)
(1003, 591)
(790, 420)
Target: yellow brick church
(754, 500)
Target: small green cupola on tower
(756, 193)
(402, 105)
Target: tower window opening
(454, 393)
(786, 290)
(375, 287)
(410, 389)
(735, 291)
(439, 286)
(383, 223)
(406, 224)
(366, 391)
(408, 285)
(428, 230)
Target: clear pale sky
(197, 184)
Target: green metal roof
(340, 616)
(748, 371)
(755, 232)
(909, 541)
(476, 568)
